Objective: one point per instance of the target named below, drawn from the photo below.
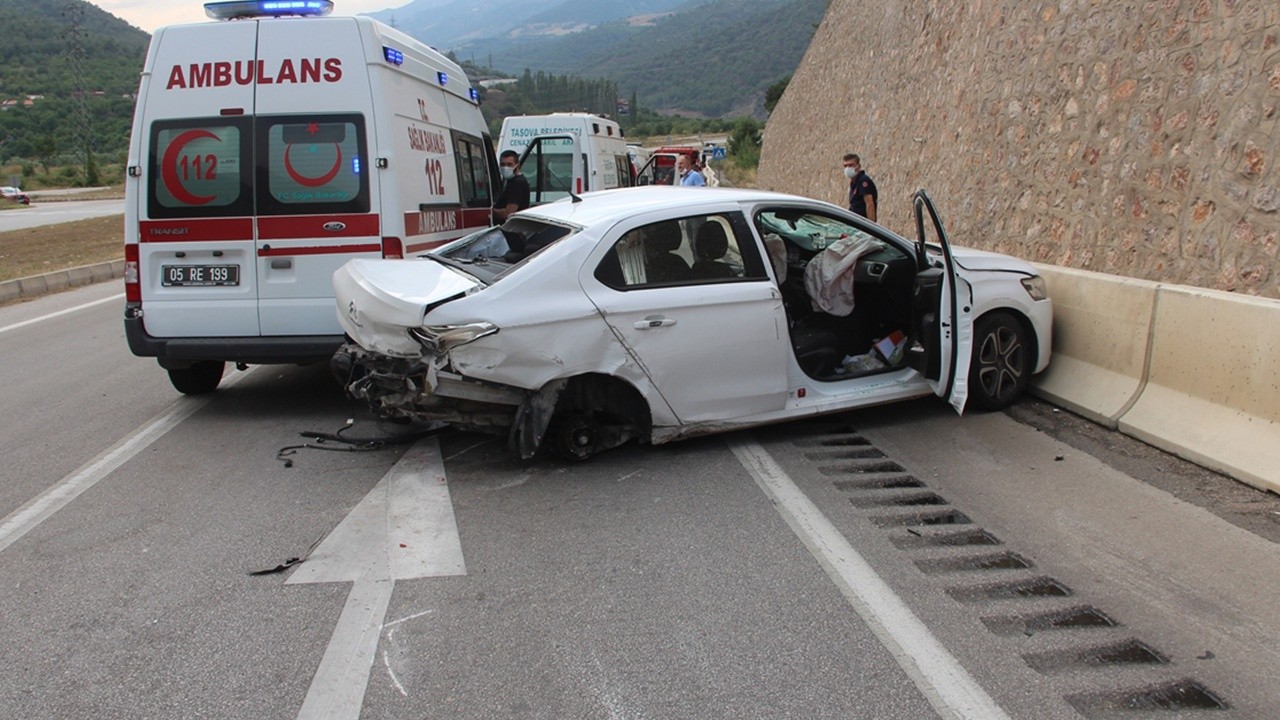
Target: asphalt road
(42, 212)
(809, 570)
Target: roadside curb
(36, 285)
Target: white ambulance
(268, 149)
(567, 152)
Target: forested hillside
(715, 59)
(37, 59)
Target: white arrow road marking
(403, 529)
(945, 683)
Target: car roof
(610, 206)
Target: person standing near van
(688, 176)
(862, 189)
(515, 188)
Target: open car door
(942, 310)
(555, 166)
(659, 170)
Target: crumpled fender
(533, 417)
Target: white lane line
(953, 693)
(404, 528)
(42, 507)
(60, 313)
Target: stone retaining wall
(1134, 137)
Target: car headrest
(711, 242)
(663, 237)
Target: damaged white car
(654, 314)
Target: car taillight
(392, 248)
(132, 282)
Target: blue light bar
(475, 94)
(238, 9)
(443, 77)
(393, 56)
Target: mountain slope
(35, 60)
(448, 24)
(713, 59)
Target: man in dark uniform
(862, 189)
(515, 188)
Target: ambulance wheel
(199, 379)
(1001, 361)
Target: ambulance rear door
(196, 251)
(316, 194)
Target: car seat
(661, 263)
(709, 245)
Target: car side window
(695, 250)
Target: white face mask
(507, 172)
(850, 173)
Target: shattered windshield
(494, 251)
(808, 230)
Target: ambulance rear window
(312, 164)
(199, 168)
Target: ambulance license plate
(199, 275)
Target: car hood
(971, 259)
(377, 300)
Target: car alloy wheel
(1000, 361)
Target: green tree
(744, 142)
(773, 93)
(45, 147)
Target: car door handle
(654, 321)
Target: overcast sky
(151, 14)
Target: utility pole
(75, 33)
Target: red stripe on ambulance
(208, 230)
(267, 251)
(429, 222)
(286, 227)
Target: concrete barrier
(56, 281)
(1212, 393)
(1101, 330)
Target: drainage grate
(944, 517)
(899, 500)
(1002, 561)
(838, 441)
(854, 453)
(1033, 588)
(1128, 652)
(887, 482)
(867, 466)
(955, 539)
(1078, 617)
(1183, 694)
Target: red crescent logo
(169, 168)
(313, 181)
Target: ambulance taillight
(392, 248)
(132, 283)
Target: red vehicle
(14, 194)
(661, 168)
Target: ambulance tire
(201, 378)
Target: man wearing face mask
(688, 176)
(515, 188)
(862, 189)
